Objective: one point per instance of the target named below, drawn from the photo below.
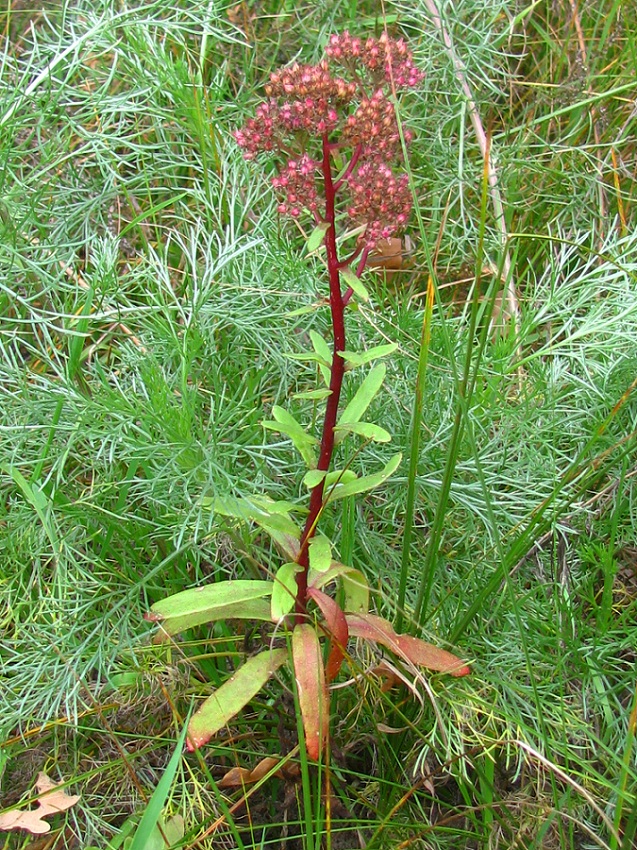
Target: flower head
(380, 200)
(310, 108)
(389, 60)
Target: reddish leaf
(312, 688)
(337, 626)
(412, 649)
(424, 654)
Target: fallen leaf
(53, 799)
(263, 768)
(240, 776)
(235, 778)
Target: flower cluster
(373, 125)
(297, 182)
(380, 199)
(388, 59)
(309, 106)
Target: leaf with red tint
(411, 649)
(337, 626)
(311, 687)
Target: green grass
(146, 287)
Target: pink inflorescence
(387, 58)
(309, 104)
(374, 126)
(296, 181)
(380, 199)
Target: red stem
(337, 309)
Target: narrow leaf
(359, 358)
(320, 553)
(316, 237)
(300, 311)
(219, 709)
(367, 482)
(364, 394)
(367, 430)
(324, 356)
(336, 625)
(284, 591)
(425, 654)
(204, 604)
(350, 278)
(314, 394)
(337, 476)
(312, 688)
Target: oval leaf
(320, 553)
(316, 237)
(367, 430)
(284, 591)
(219, 709)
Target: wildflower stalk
(337, 309)
(309, 116)
(312, 109)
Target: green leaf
(355, 591)
(354, 282)
(320, 553)
(271, 516)
(285, 423)
(220, 601)
(359, 358)
(364, 395)
(341, 476)
(253, 508)
(311, 687)
(367, 430)
(284, 591)
(300, 311)
(314, 394)
(354, 583)
(367, 482)
(324, 356)
(321, 347)
(219, 709)
(316, 237)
